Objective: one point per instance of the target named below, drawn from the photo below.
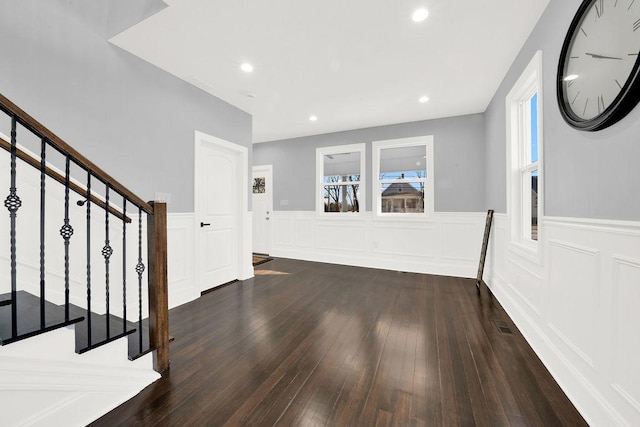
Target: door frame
(269, 185)
(241, 153)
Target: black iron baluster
(140, 270)
(107, 251)
(66, 231)
(124, 265)
(89, 258)
(13, 203)
(42, 227)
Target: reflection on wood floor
(306, 343)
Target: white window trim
(517, 124)
(426, 140)
(320, 153)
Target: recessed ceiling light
(313, 118)
(246, 67)
(571, 77)
(423, 99)
(420, 15)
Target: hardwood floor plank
(456, 403)
(384, 419)
(307, 343)
(365, 360)
(431, 353)
(487, 411)
(401, 408)
(493, 385)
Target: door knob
(205, 224)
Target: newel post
(158, 286)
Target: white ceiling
(352, 63)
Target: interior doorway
(262, 203)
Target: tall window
(403, 173)
(529, 170)
(340, 174)
(524, 147)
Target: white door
(217, 215)
(262, 202)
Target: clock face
(597, 82)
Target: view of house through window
(341, 182)
(402, 179)
(403, 174)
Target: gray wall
(459, 162)
(587, 174)
(130, 118)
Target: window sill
(409, 217)
(340, 216)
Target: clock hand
(595, 55)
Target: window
(403, 173)
(524, 155)
(340, 175)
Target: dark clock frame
(626, 100)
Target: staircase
(72, 252)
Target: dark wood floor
(315, 344)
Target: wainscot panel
(414, 245)
(181, 253)
(578, 309)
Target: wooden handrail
(61, 179)
(39, 129)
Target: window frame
(429, 180)
(321, 152)
(519, 166)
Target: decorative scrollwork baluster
(89, 258)
(107, 251)
(66, 231)
(13, 203)
(140, 269)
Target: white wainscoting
(579, 309)
(445, 244)
(181, 256)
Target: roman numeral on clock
(585, 106)
(575, 97)
(599, 6)
(600, 104)
(636, 25)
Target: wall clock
(598, 79)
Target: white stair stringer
(43, 382)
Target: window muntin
(340, 170)
(402, 173)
